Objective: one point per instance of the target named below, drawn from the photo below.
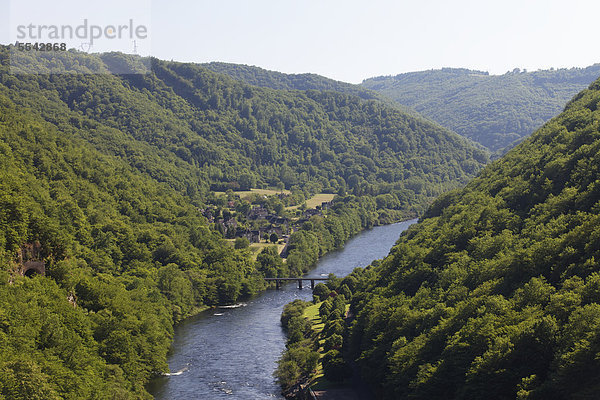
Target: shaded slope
(127, 257)
(496, 289)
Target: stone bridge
(278, 281)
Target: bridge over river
(231, 353)
(278, 281)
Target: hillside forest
(126, 187)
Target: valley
(127, 184)
(148, 218)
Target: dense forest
(197, 130)
(126, 257)
(107, 174)
(257, 76)
(494, 110)
(496, 291)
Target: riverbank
(237, 351)
(330, 377)
(317, 333)
(320, 236)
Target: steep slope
(197, 130)
(496, 291)
(257, 76)
(106, 176)
(125, 258)
(494, 110)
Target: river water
(231, 353)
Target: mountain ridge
(494, 110)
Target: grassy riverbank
(318, 381)
(331, 378)
(313, 358)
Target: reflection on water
(231, 352)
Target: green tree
(320, 292)
(241, 243)
(287, 373)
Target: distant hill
(261, 77)
(195, 129)
(257, 76)
(494, 110)
(496, 291)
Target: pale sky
(347, 40)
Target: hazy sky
(351, 40)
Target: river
(231, 353)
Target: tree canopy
(110, 174)
(495, 290)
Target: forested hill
(105, 177)
(494, 110)
(278, 80)
(195, 130)
(496, 291)
(126, 257)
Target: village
(260, 217)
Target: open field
(312, 314)
(316, 200)
(256, 248)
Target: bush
(333, 282)
(287, 373)
(241, 243)
(334, 327)
(334, 315)
(333, 342)
(325, 310)
(306, 358)
(345, 291)
(293, 309)
(296, 329)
